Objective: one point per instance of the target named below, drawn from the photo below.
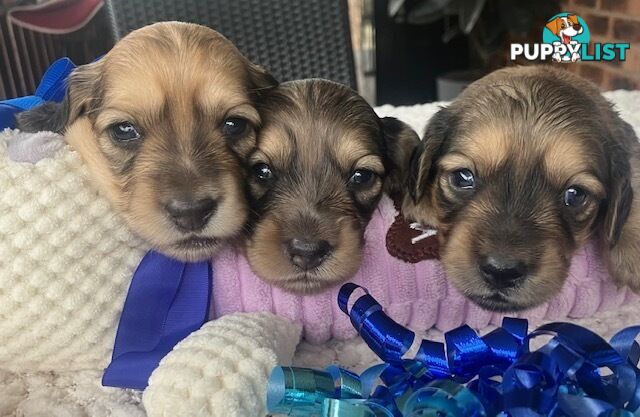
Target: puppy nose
(192, 215)
(502, 273)
(308, 254)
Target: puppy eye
(361, 177)
(463, 179)
(124, 132)
(262, 172)
(574, 197)
(234, 126)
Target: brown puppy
(519, 171)
(322, 162)
(163, 121)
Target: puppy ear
(49, 116)
(573, 18)
(260, 79)
(620, 191)
(618, 208)
(621, 222)
(554, 26)
(85, 90)
(82, 94)
(400, 143)
(422, 165)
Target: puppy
(523, 168)
(163, 121)
(322, 162)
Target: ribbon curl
(575, 374)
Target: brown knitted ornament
(399, 243)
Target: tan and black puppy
(322, 162)
(519, 171)
(163, 122)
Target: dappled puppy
(163, 122)
(322, 162)
(516, 174)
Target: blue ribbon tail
(167, 300)
(52, 88)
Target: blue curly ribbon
(575, 374)
(52, 88)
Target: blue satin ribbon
(52, 88)
(575, 374)
(167, 300)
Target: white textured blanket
(78, 393)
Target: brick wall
(610, 21)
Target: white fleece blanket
(78, 393)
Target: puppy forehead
(567, 156)
(488, 147)
(346, 148)
(353, 146)
(277, 144)
(288, 139)
(146, 71)
(563, 155)
(210, 88)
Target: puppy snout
(501, 272)
(577, 27)
(191, 215)
(307, 253)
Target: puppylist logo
(565, 38)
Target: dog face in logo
(565, 27)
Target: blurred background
(399, 52)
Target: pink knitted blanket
(415, 295)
